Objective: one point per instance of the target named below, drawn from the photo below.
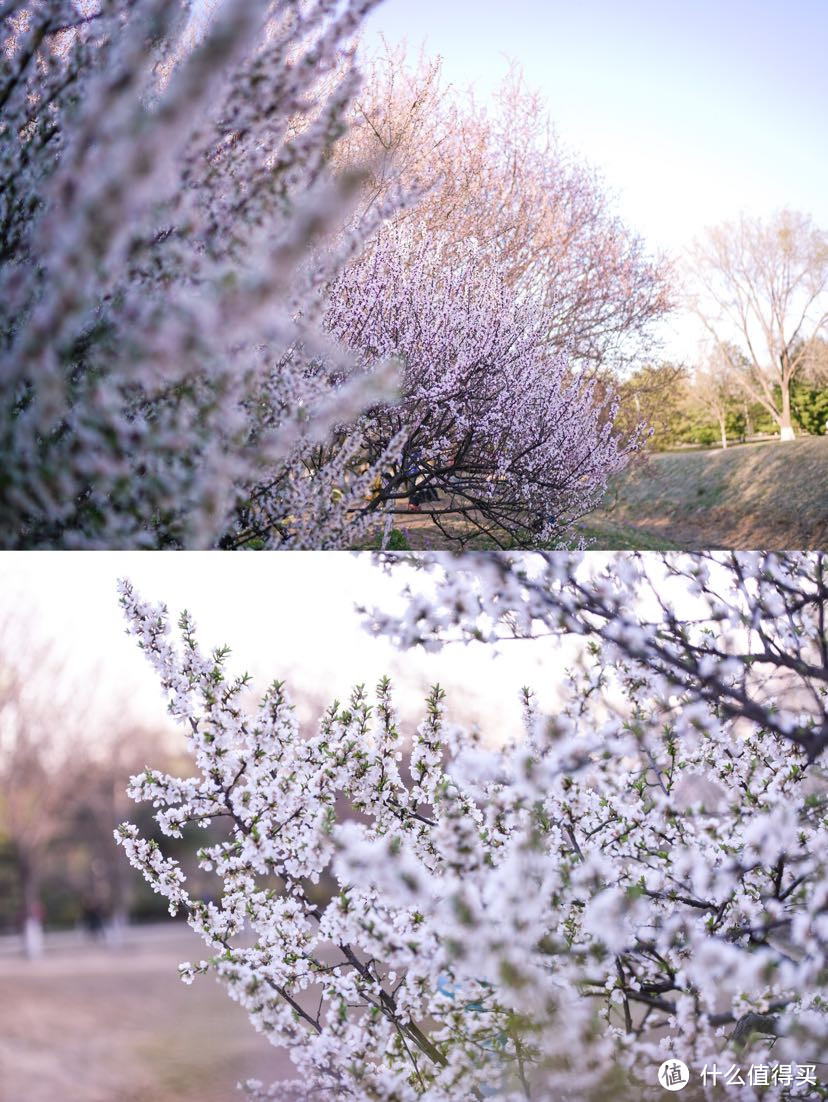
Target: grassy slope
(768, 495)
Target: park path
(93, 1023)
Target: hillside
(768, 495)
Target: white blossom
(523, 920)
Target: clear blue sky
(693, 109)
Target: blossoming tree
(163, 203)
(493, 434)
(641, 876)
(500, 174)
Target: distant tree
(656, 395)
(714, 387)
(63, 755)
(817, 361)
(764, 284)
(114, 747)
(40, 763)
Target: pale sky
(285, 615)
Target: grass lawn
(606, 534)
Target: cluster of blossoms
(494, 434)
(640, 877)
(165, 235)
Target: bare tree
(816, 367)
(714, 386)
(39, 765)
(764, 284)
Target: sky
(287, 615)
(693, 109)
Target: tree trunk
(723, 429)
(32, 911)
(786, 431)
(117, 927)
(386, 529)
(119, 879)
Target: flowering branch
(451, 918)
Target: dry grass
(92, 1024)
(768, 495)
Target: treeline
(678, 406)
(68, 745)
(71, 877)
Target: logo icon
(673, 1075)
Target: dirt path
(102, 1025)
(599, 530)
